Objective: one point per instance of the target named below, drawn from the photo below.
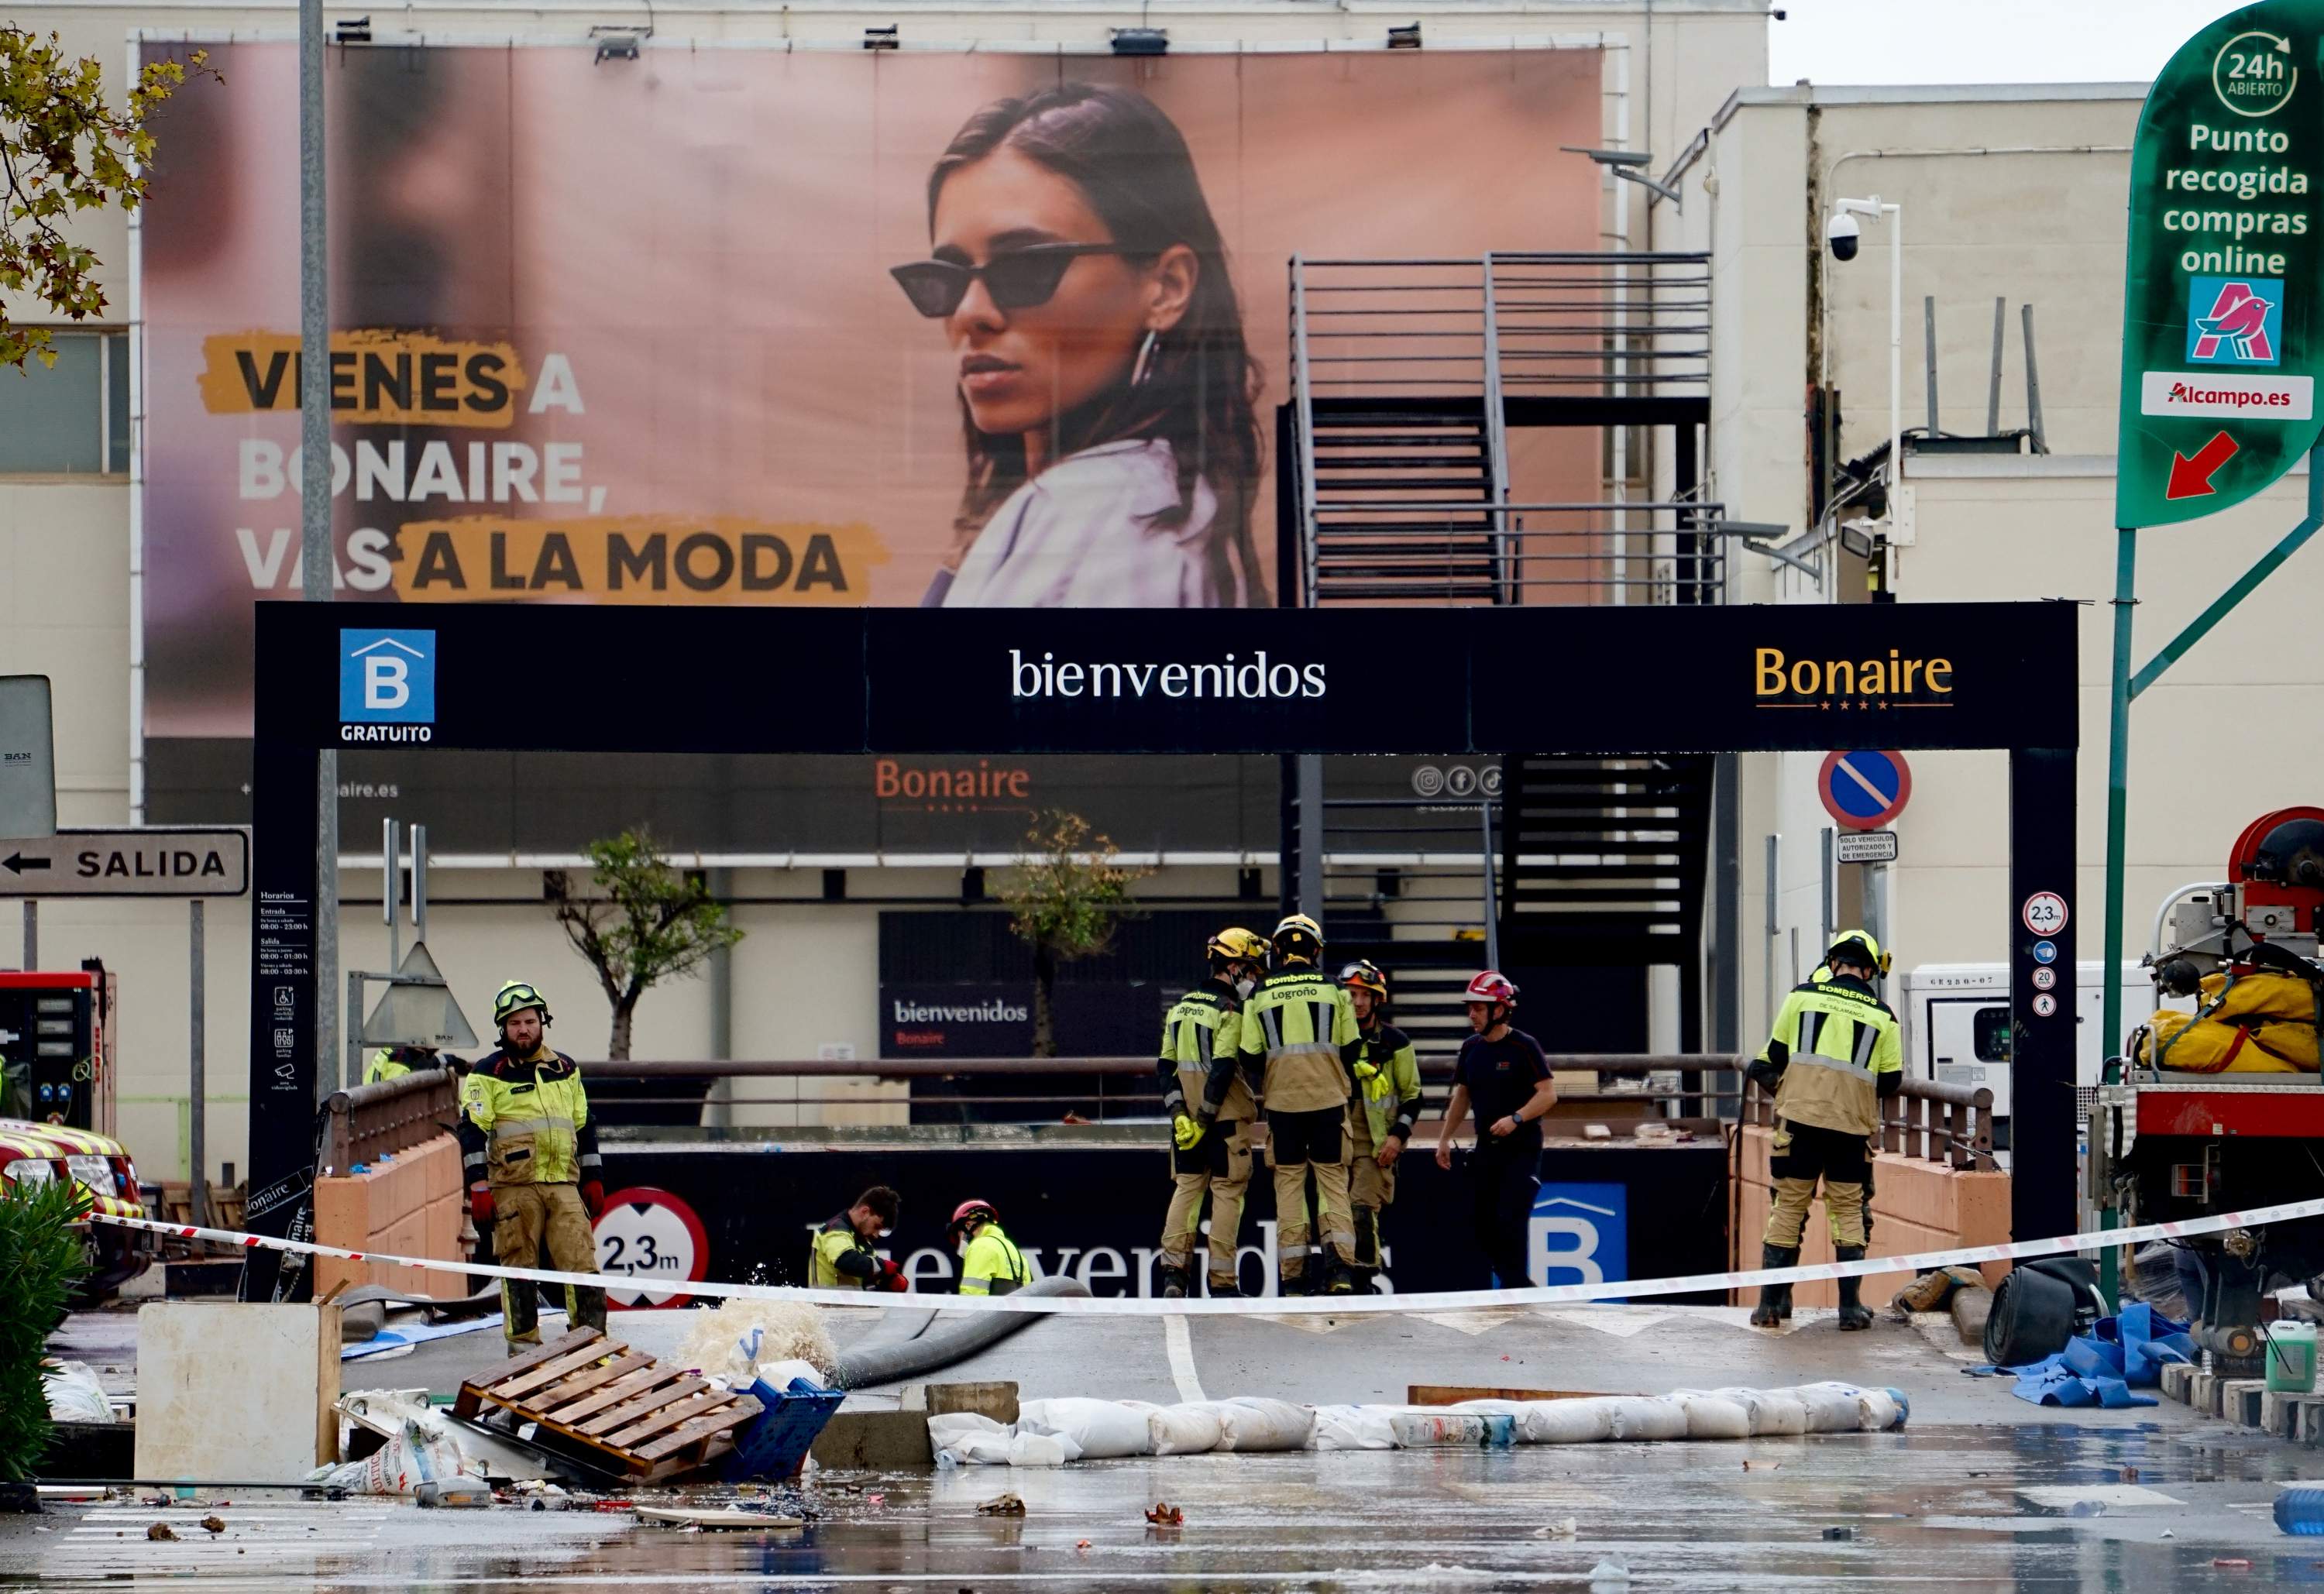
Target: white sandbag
(1256, 1422)
(414, 1457)
(1710, 1416)
(1565, 1421)
(74, 1395)
(964, 1439)
(1436, 1427)
(1878, 1410)
(1106, 1430)
(1190, 1430)
(1042, 1449)
(1774, 1412)
(1353, 1427)
(1642, 1417)
(1832, 1408)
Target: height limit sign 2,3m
(2222, 337)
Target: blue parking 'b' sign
(387, 676)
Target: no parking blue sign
(1864, 789)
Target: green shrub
(40, 1258)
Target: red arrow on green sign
(2192, 478)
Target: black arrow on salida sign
(17, 863)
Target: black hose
(933, 1349)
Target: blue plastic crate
(777, 1442)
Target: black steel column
(2044, 1162)
(282, 933)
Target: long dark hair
(1132, 167)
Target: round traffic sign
(648, 1233)
(2045, 978)
(1864, 789)
(2045, 952)
(2045, 914)
(2045, 1005)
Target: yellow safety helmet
(1858, 946)
(514, 997)
(1299, 937)
(1235, 945)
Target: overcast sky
(1980, 40)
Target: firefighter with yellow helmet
(531, 1160)
(1211, 1111)
(1299, 1037)
(1835, 1053)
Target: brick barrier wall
(1916, 1206)
(405, 1204)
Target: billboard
(743, 326)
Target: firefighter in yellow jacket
(1211, 1112)
(1381, 1112)
(1299, 1037)
(533, 1165)
(1835, 1053)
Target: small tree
(1067, 895)
(648, 922)
(40, 1258)
(64, 150)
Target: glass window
(116, 403)
(52, 417)
(1989, 1035)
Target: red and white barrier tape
(1332, 1306)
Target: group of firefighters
(1266, 1031)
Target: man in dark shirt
(1504, 1076)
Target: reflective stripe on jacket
(383, 1066)
(526, 1121)
(834, 1242)
(1199, 1063)
(1300, 1028)
(994, 1266)
(1833, 1041)
(1391, 1097)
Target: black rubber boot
(1775, 1306)
(1341, 1280)
(1225, 1292)
(1852, 1312)
(1174, 1283)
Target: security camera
(1841, 233)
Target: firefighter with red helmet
(1503, 1077)
(1381, 1111)
(989, 1262)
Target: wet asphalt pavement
(1980, 1491)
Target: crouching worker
(530, 1155)
(1834, 1056)
(844, 1258)
(989, 1262)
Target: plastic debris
(1002, 1505)
(74, 1395)
(1567, 1528)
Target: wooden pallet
(638, 1419)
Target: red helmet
(1492, 986)
(968, 1211)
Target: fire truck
(2222, 1108)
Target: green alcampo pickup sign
(2223, 336)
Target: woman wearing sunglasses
(1105, 385)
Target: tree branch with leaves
(1067, 895)
(645, 923)
(64, 150)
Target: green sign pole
(2222, 338)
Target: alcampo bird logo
(2239, 318)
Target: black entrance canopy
(1633, 680)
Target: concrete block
(2279, 1413)
(2239, 1400)
(2179, 1381)
(875, 1435)
(236, 1392)
(2202, 1394)
(2307, 1425)
(342, 1211)
(995, 1399)
(1969, 1309)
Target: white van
(1956, 1021)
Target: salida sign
(2221, 336)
